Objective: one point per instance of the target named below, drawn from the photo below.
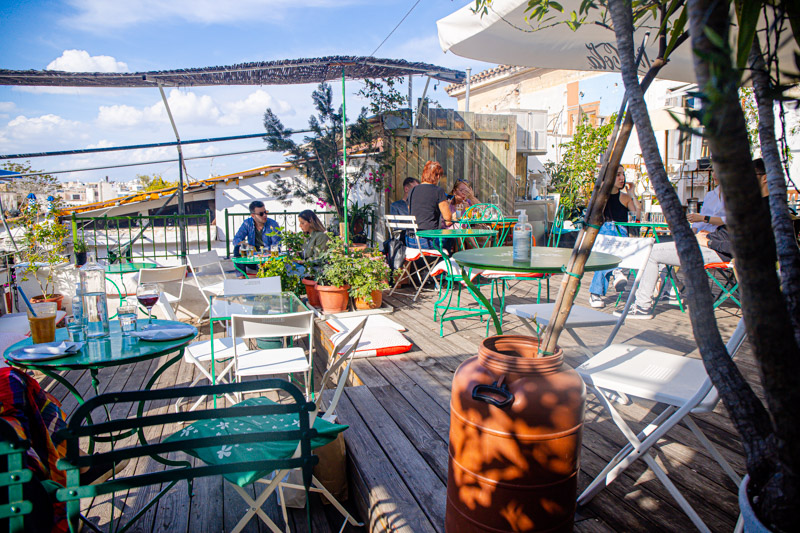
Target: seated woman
(317, 240)
(462, 198)
(712, 214)
(429, 204)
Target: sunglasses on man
(261, 214)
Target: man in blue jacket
(255, 230)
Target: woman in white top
(712, 214)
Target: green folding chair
(13, 477)
(243, 443)
(724, 277)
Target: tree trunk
(782, 226)
(775, 482)
(747, 413)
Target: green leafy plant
(80, 246)
(574, 175)
(371, 274)
(339, 265)
(293, 242)
(42, 243)
(283, 267)
(359, 217)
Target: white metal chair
(270, 362)
(168, 302)
(408, 224)
(677, 381)
(208, 267)
(235, 287)
(634, 253)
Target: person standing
(617, 208)
(400, 207)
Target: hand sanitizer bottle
(523, 233)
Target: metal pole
(411, 96)
(344, 158)
(181, 206)
(419, 108)
(469, 76)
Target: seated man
(714, 246)
(255, 230)
(400, 207)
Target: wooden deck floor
(399, 424)
(399, 421)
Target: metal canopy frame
(281, 72)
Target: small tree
(575, 174)
(320, 155)
(154, 182)
(42, 243)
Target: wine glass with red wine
(147, 294)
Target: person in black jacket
(715, 247)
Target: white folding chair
(168, 302)
(207, 267)
(677, 381)
(408, 224)
(270, 362)
(634, 252)
(235, 287)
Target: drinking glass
(75, 328)
(243, 247)
(631, 216)
(127, 319)
(43, 325)
(147, 294)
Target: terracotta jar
(57, 298)
(333, 299)
(377, 300)
(516, 422)
(311, 292)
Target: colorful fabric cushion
(346, 324)
(235, 452)
(378, 341)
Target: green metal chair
(724, 277)
(13, 476)
(243, 443)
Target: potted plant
(333, 280)
(359, 217)
(369, 280)
(283, 267)
(80, 248)
(43, 246)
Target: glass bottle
(494, 198)
(93, 295)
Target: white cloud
(53, 126)
(192, 109)
(7, 107)
(81, 61)
(101, 15)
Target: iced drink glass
(43, 325)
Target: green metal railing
(286, 220)
(144, 236)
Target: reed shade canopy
(279, 72)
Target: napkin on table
(164, 333)
(58, 347)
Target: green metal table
(222, 307)
(453, 280)
(96, 355)
(502, 226)
(544, 260)
(256, 260)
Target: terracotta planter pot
(377, 300)
(311, 292)
(357, 246)
(333, 299)
(516, 421)
(57, 298)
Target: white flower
(223, 452)
(223, 425)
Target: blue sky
(140, 35)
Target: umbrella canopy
(504, 36)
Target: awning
(503, 36)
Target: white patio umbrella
(503, 36)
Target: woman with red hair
(429, 203)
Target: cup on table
(43, 325)
(127, 319)
(631, 216)
(75, 328)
